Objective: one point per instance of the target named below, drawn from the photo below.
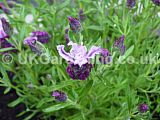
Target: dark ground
(7, 113)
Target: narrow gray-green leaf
(97, 28)
(56, 107)
(16, 102)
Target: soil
(7, 113)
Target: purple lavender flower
(156, 2)
(143, 108)
(78, 53)
(5, 44)
(78, 58)
(75, 25)
(5, 10)
(77, 72)
(31, 42)
(66, 31)
(50, 2)
(119, 44)
(81, 15)
(105, 56)
(59, 96)
(66, 36)
(131, 3)
(123, 49)
(5, 29)
(11, 3)
(41, 36)
(34, 3)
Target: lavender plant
(100, 63)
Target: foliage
(112, 91)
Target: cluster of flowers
(79, 59)
(12, 3)
(5, 33)
(156, 2)
(132, 3)
(79, 65)
(37, 36)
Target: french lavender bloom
(78, 53)
(41, 36)
(59, 96)
(156, 2)
(66, 36)
(50, 2)
(79, 59)
(75, 25)
(11, 3)
(131, 3)
(81, 15)
(143, 108)
(77, 72)
(5, 10)
(34, 3)
(105, 56)
(5, 29)
(31, 42)
(119, 44)
(5, 44)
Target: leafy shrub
(125, 87)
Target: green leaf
(77, 116)
(86, 89)
(58, 86)
(30, 116)
(64, 4)
(90, 11)
(21, 113)
(6, 49)
(16, 102)
(56, 107)
(93, 27)
(7, 90)
(43, 101)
